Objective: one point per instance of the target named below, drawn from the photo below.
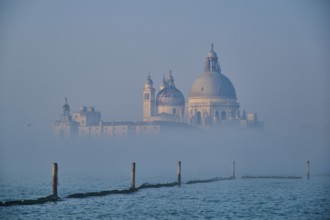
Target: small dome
(83, 108)
(213, 85)
(91, 109)
(170, 96)
(212, 54)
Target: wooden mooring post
(179, 173)
(308, 169)
(55, 179)
(234, 170)
(133, 176)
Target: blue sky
(99, 53)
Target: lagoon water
(91, 166)
(227, 199)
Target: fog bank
(206, 152)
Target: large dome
(170, 96)
(212, 85)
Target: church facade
(212, 103)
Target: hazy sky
(99, 53)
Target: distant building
(65, 126)
(212, 103)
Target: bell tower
(149, 104)
(65, 127)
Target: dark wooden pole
(179, 173)
(55, 169)
(133, 176)
(308, 169)
(234, 169)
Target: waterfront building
(212, 103)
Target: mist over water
(96, 164)
(202, 152)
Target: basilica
(212, 104)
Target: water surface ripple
(235, 199)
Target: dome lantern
(171, 79)
(211, 62)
